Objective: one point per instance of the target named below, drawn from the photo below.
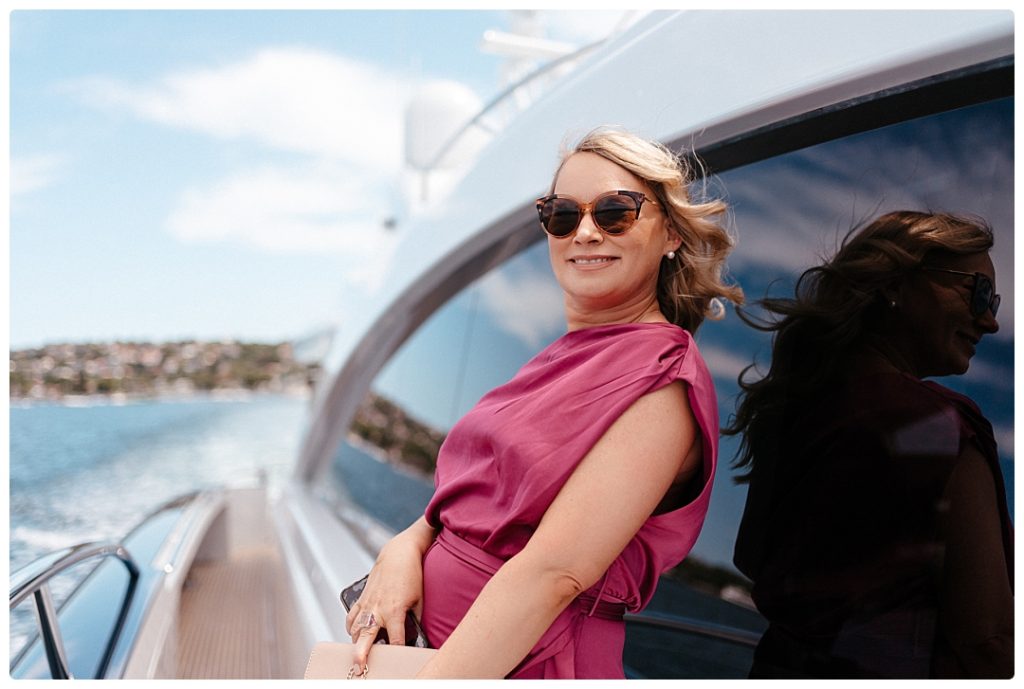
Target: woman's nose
(987, 322)
(587, 231)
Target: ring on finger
(366, 620)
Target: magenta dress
(503, 463)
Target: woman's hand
(394, 586)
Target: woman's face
(600, 272)
(938, 331)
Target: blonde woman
(565, 493)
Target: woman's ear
(892, 292)
(674, 240)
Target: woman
(564, 494)
(876, 529)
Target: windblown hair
(836, 308)
(690, 286)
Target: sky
(221, 174)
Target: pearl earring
(670, 255)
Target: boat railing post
(33, 580)
(126, 602)
(50, 632)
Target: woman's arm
(395, 585)
(976, 604)
(600, 508)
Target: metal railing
(33, 580)
(707, 629)
(507, 95)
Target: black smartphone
(414, 634)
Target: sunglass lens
(984, 298)
(560, 216)
(616, 213)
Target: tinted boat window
(791, 210)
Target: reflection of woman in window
(876, 529)
(565, 493)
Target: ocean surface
(81, 473)
(93, 471)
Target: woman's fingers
(364, 632)
(364, 627)
(350, 620)
(395, 625)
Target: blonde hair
(690, 286)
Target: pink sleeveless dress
(503, 463)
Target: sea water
(82, 473)
(91, 471)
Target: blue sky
(219, 174)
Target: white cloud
(527, 305)
(844, 183)
(1004, 438)
(991, 374)
(34, 172)
(316, 208)
(722, 363)
(290, 99)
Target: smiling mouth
(972, 343)
(581, 261)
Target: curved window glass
(789, 212)
(793, 209)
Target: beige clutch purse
(333, 660)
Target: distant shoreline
(124, 399)
(119, 372)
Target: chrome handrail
(33, 580)
(691, 626)
(505, 95)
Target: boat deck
(235, 618)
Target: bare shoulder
(662, 412)
(657, 436)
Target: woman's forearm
(976, 596)
(419, 535)
(507, 619)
